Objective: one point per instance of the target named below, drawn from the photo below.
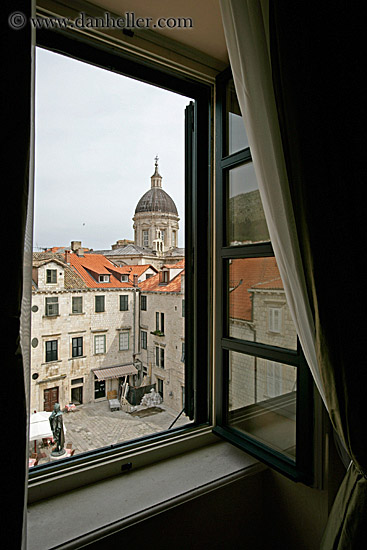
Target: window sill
(150, 489)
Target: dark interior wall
(258, 512)
(231, 517)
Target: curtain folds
(301, 90)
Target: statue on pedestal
(57, 428)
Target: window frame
(100, 299)
(53, 275)
(50, 303)
(124, 333)
(198, 198)
(143, 302)
(99, 336)
(143, 339)
(51, 355)
(124, 302)
(302, 468)
(77, 344)
(76, 300)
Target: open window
(264, 389)
(134, 353)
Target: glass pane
(245, 215)
(236, 132)
(107, 197)
(257, 306)
(262, 400)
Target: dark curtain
(16, 102)
(318, 63)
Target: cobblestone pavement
(93, 425)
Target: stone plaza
(93, 426)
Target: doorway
(50, 397)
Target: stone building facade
(162, 335)
(258, 312)
(87, 325)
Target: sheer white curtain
(246, 31)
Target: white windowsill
(123, 500)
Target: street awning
(115, 372)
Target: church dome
(156, 199)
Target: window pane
(144, 207)
(262, 400)
(258, 309)
(236, 132)
(245, 215)
(77, 304)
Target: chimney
(67, 256)
(75, 245)
(135, 279)
(80, 252)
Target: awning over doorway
(115, 372)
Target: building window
(51, 276)
(275, 319)
(143, 302)
(52, 307)
(143, 339)
(145, 238)
(99, 304)
(160, 387)
(159, 322)
(159, 357)
(51, 351)
(164, 276)
(77, 346)
(124, 341)
(124, 302)
(100, 343)
(77, 304)
(104, 278)
(174, 239)
(183, 308)
(183, 352)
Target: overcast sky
(97, 134)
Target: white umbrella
(39, 426)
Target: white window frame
(275, 319)
(124, 335)
(97, 346)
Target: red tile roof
(92, 265)
(152, 284)
(132, 270)
(246, 274)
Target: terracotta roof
(152, 284)
(92, 265)
(131, 270)
(246, 274)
